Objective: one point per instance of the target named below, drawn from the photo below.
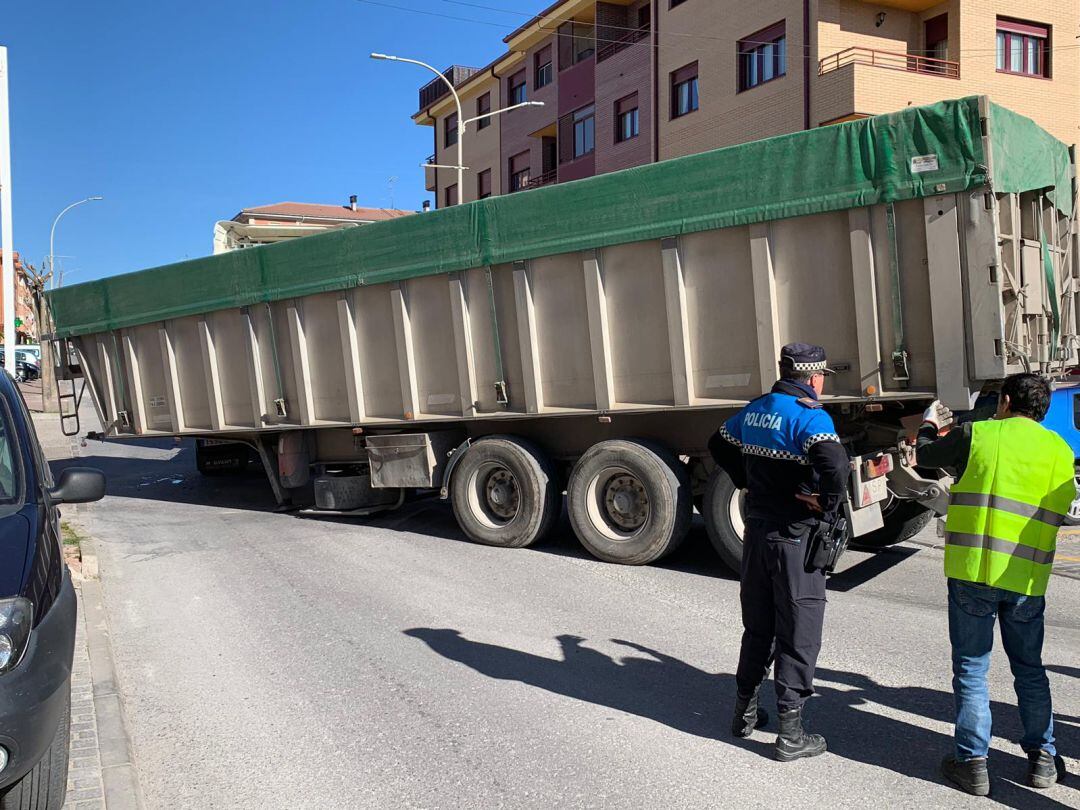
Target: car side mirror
(79, 485)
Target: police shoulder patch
(808, 402)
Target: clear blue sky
(181, 114)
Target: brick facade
(889, 72)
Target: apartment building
(627, 82)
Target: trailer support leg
(268, 456)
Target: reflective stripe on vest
(1004, 512)
(1003, 504)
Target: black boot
(748, 715)
(970, 775)
(1044, 770)
(794, 742)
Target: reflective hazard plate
(871, 492)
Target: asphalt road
(273, 661)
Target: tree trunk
(49, 401)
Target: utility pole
(6, 237)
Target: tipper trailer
(587, 338)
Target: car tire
(903, 520)
(630, 502)
(724, 521)
(45, 786)
(504, 492)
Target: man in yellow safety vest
(1015, 483)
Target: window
(1023, 48)
(762, 57)
(577, 42)
(450, 130)
(644, 17)
(626, 118)
(10, 468)
(519, 171)
(543, 68)
(684, 90)
(516, 92)
(676, 3)
(483, 107)
(483, 184)
(584, 131)
(936, 31)
(450, 195)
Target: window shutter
(1029, 29)
(684, 73)
(624, 105)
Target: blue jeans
(972, 611)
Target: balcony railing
(436, 88)
(619, 43)
(912, 63)
(545, 179)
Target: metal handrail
(614, 46)
(890, 60)
(545, 179)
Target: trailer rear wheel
(903, 520)
(504, 492)
(724, 521)
(629, 501)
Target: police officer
(783, 450)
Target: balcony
(621, 42)
(909, 62)
(545, 179)
(436, 88)
(858, 82)
(429, 174)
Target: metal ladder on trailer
(68, 370)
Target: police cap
(804, 357)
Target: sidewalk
(101, 773)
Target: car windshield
(9, 468)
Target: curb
(118, 772)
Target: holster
(828, 540)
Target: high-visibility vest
(1005, 511)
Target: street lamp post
(457, 100)
(463, 122)
(52, 235)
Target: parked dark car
(27, 366)
(37, 612)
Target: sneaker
(1044, 770)
(970, 775)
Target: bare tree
(37, 282)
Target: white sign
(924, 163)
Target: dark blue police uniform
(780, 446)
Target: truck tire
(629, 501)
(45, 786)
(722, 510)
(504, 492)
(903, 520)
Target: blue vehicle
(37, 612)
(1064, 419)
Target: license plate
(871, 492)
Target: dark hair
(797, 376)
(1029, 395)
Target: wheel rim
(1074, 509)
(735, 508)
(618, 504)
(494, 495)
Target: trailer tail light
(876, 467)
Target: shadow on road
(161, 470)
(672, 692)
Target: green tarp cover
(909, 154)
